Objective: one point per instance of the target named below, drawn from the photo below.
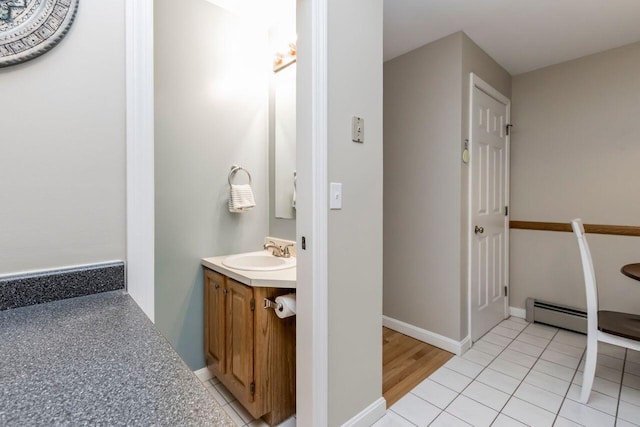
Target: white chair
(621, 329)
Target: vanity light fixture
(283, 60)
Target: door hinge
(506, 211)
(253, 304)
(252, 388)
(506, 291)
(508, 128)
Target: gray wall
(211, 100)
(355, 232)
(575, 153)
(62, 165)
(422, 122)
(426, 94)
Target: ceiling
(521, 35)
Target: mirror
(285, 141)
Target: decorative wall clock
(29, 28)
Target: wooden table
(631, 270)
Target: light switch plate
(335, 195)
(357, 129)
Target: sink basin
(258, 261)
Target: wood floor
(406, 362)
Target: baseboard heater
(557, 315)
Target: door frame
(312, 330)
(140, 196)
(313, 315)
(477, 82)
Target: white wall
(62, 162)
(211, 111)
(575, 153)
(355, 232)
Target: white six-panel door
(488, 203)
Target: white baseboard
(518, 312)
(203, 374)
(445, 343)
(465, 345)
(369, 415)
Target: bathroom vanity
(247, 346)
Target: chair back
(589, 275)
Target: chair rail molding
(617, 230)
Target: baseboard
(465, 345)
(445, 343)
(369, 415)
(203, 374)
(518, 312)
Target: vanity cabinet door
(214, 321)
(240, 340)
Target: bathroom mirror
(284, 86)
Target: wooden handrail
(617, 230)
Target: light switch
(335, 195)
(357, 129)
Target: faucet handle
(285, 250)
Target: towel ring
(236, 169)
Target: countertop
(266, 279)
(95, 360)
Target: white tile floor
(234, 409)
(525, 374)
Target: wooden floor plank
(402, 368)
(406, 363)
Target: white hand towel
(241, 198)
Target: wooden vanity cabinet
(250, 349)
(214, 321)
(240, 340)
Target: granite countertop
(95, 360)
(266, 279)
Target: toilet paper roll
(287, 306)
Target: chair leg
(589, 368)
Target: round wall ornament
(29, 28)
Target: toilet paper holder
(272, 304)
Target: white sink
(258, 261)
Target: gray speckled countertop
(95, 360)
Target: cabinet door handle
(226, 291)
(479, 230)
(217, 285)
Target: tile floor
(234, 409)
(525, 374)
